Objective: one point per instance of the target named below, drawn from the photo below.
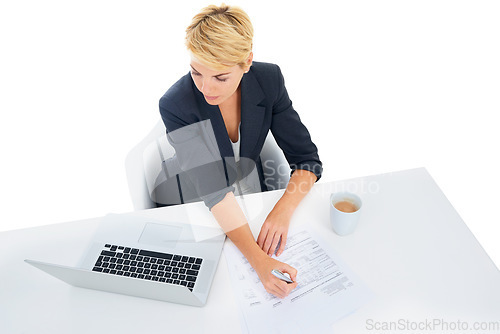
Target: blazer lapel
(252, 114)
(252, 120)
(252, 117)
(212, 113)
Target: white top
(249, 184)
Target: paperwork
(326, 289)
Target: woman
(217, 118)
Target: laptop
(138, 256)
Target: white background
(381, 85)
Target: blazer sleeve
(197, 154)
(291, 134)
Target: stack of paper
(326, 289)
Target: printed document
(327, 290)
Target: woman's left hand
(274, 228)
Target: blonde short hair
(220, 37)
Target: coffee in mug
(345, 206)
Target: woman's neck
(232, 102)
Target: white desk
(411, 248)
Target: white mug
(344, 223)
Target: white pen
(281, 276)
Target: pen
(281, 276)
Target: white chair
(145, 170)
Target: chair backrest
(138, 176)
(274, 165)
(145, 170)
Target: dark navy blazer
(265, 106)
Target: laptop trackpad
(160, 235)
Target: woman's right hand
(271, 283)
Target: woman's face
(216, 86)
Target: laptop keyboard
(149, 265)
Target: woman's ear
(249, 62)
